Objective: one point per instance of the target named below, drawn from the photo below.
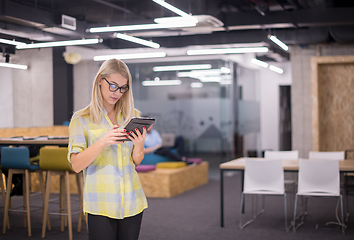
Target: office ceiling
(220, 21)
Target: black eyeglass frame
(118, 88)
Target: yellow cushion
(171, 164)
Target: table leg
(222, 197)
(242, 182)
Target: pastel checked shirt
(111, 185)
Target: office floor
(195, 214)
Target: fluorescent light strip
(11, 42)
(227, 50)
(59, 43)
(196, 85)
(11, 65)
(276, 69)
(181, 67)
(131, 56)
(259, 63)
(175, 10)
(162, 83)
(137, 40)
(209, 79)
(279, 43)
(143, 27)
(200, 73)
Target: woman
(113, 197)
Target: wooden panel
(333, 103)
(165, 183)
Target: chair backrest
(339, 155)
(15, 158)
(319, 177)
(281, 154)
(54, 159)
(264, 176)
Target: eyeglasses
(115, 87)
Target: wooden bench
(165, 183)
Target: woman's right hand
(115, 135)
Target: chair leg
(46, 203)
(28, 206)
(62, 202)
(42, 185)
(24, 200)
(286, 213)
(3, 194)
(294, 220)
(7, 201)
(67, 186)
(242, 200)
(341, 207)
(2, 186)
(79, 192)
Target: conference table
(289, 165)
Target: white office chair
(263, 177)
(339, 155)
(318, 178)
(290, 178)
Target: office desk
(62, 142)
(345, 166)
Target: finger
(132, 134)
(138, 134)
(144, 132)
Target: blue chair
(17, 161)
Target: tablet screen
(139, 123)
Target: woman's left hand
(138, 140)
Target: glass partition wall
(199, 107)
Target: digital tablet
(139, 123)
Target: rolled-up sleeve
(77, 138)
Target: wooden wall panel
(333, 103)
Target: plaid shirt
(111, 185)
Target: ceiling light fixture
(196, 85)
(276, 69)
(142, 27)
(131, 56)
(227, 50)
(176, 10)
(259, 63)
(202, 73)
(137, 40)
(11, 65)
(13, 42)
(278, 42)
(60, 43)
(161, 83)
(181, 67)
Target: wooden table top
(288, 164)
(51, 141)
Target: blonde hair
(125, 104)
